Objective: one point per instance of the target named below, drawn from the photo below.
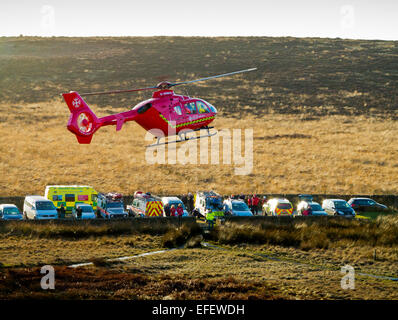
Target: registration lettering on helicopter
(165, 93)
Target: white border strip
(84, 264)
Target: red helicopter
(170, 113)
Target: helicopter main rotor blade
(212, 77)
(167, 85)
(117, 91)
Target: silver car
(338, 207)
(87, 211)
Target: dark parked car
(366, 204)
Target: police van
(70, 195)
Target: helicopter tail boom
(82, 122)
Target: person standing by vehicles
(190, 203)
(210, 219)
(180, 212)
(62, 212)
(249, 203)
(79, 212)
(307, 211)
(263, 201)
(166, 209)
(184, 200)
(255, 202)
(173, 211)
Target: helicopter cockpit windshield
(211, 107)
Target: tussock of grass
(194, 242)
(187, 234)
(100, 262)
(315, 234)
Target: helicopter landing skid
(183, 139)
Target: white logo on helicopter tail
(76, 102)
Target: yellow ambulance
(70, 195)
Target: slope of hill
(311, 75)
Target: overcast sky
(357, 19)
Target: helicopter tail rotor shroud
(82, 121)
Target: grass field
(335, 154)
(258, 266)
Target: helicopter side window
(177, 109)
(190, 108)
(202, 107)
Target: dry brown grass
(302, 279)
(32, 251)
(108, 284)
(335, 154)
(235, 271)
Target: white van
(38, 207)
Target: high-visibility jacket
(210, 216)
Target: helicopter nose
(212, 108)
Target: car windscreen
(341, 205)
(10, 211)
(114, 205)
(86, 209)
(239, 206)
(284, 206)
(316, 207)
(44, 205)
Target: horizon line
(192, 36)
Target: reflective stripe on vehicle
(154, 208)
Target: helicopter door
(177, 110)
(190, 111)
